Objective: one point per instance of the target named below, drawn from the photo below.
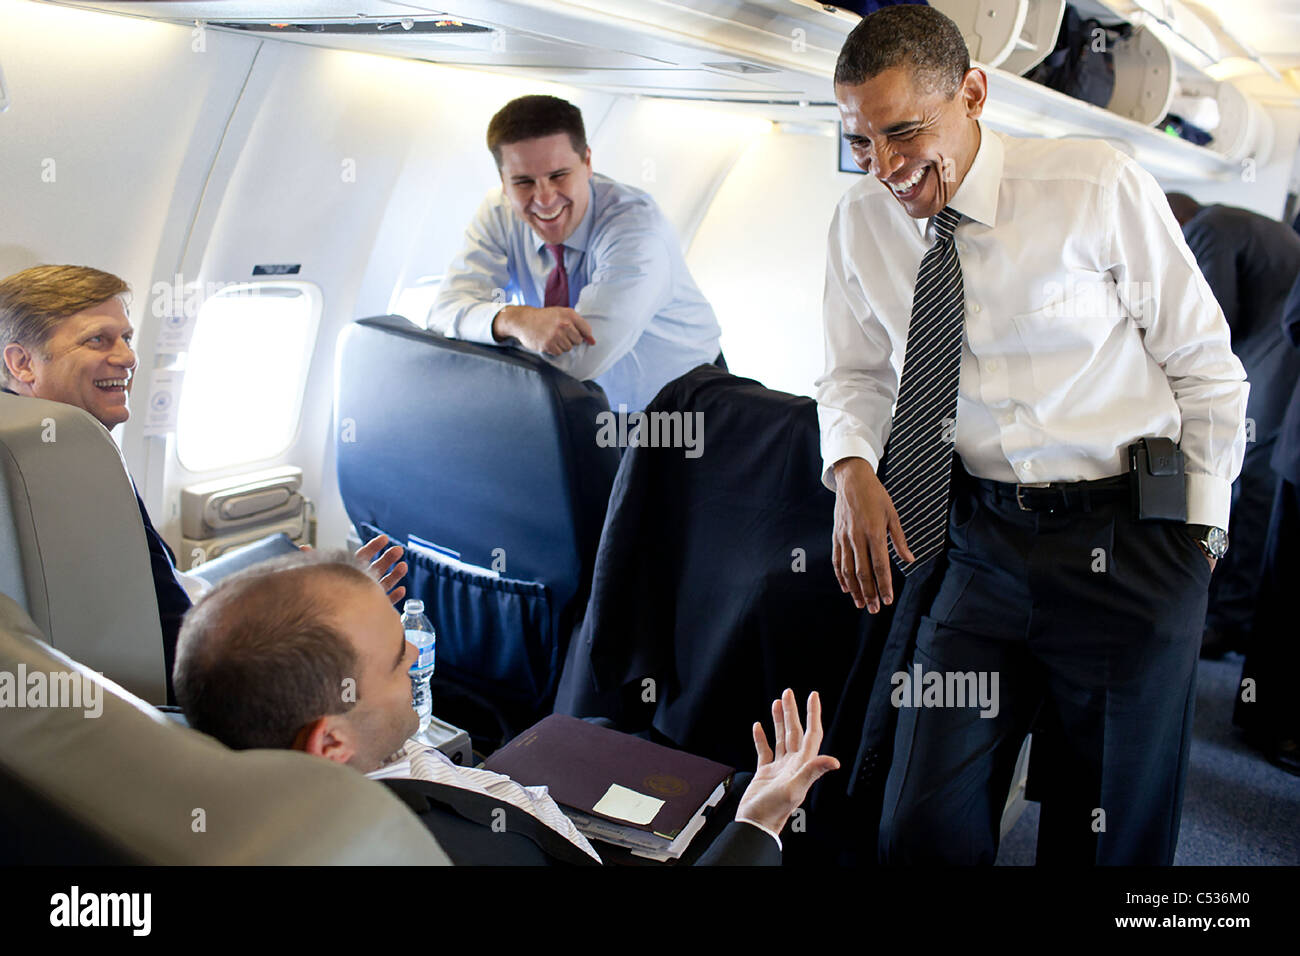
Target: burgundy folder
(579, 761)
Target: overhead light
(739, 66)
(1231, 68)
(358, 27)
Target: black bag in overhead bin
(1175, 125)
(1083, 63)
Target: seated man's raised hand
(387, 567)
(785, 774)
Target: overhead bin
(1189, 37)
(991, 28)
(1145, 67)
(1037, 36)
(1244, 130)
(1144, 78)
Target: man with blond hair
(65, 336)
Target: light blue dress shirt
(627, 278)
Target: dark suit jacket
(1286, 455)
(1251, 262)
(173, 602)
(462, 822)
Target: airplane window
(414, 302)
(246, 374)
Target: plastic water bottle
(420, 633)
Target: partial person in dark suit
(65, 336)
(1250, 262)
(1269, 707)
(306, 653)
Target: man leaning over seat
(65, 336)
(604, 290)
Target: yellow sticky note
(625, 804)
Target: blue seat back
(490, 453)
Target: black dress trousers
(1086, 625)
(1271, 709)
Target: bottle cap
(413, 607)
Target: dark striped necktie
(918, 457)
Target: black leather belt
(1064, 496)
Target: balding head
(291, 645)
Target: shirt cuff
(476, 324)
(848, 446)
(767, 830)
(1209, 500)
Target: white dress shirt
(418, 762)
(627, 278)
(1088, 324)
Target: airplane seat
(72, 546)
(491, 455)
(89, 773)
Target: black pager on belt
(1159, 485)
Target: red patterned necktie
(557, 283)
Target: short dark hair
(532, 117)
(258, 658)
(916, 36)
(33, 302)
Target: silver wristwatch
(1213, 541)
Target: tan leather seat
(73, 552)
(129, 785)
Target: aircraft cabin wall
(129, 149)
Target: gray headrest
(140, 781)
(72, 547)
